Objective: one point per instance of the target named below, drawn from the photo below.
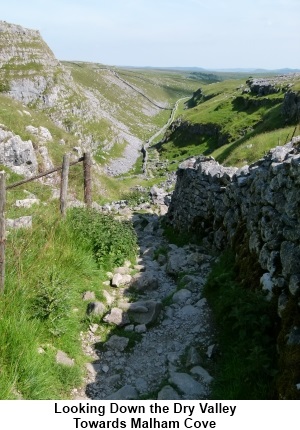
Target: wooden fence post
(64, 184)
(87, 165)
(2, 230)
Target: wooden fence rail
(40, 175)
(64, 168)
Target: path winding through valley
(170, 359)
(132, 151)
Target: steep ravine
(171, 326)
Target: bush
(4, 87)
(52, 303)
(136, 197)
(112, 241)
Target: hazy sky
(203, 33)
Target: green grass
(246, 151)
(242, 127)
(246, 327)
(38, 259)
(48, 269)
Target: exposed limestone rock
(17, 154)
(181, 296)
(63, 358)
(119, 280)
(117, 343)
(96, 308)
(145, 312)
(22, 222)
(27, 203)
(291, 106)
(127, 392)
(168, 393)
(42, 133)
(117, 317)
(193, 357)
(32, 74)
(189, 386)
(202, 374)
(88, 295)
(145, 281)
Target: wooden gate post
(2, 230)
(87, 165)
(64, 184)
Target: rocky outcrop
(205, 129)
(265, 86)
(291, 106)
(17, 154)
(30, 73)
(262, 87)
(254, 209)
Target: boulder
(181, 296)
(17, 154)
(63, 358)
(117, 343)
(128, 392)
(88, 295)
(202, 374)
(168, 393)
(145, 281)
(96, 308)
(119, 280)
(153, 311)
(117, 317)
(22, 222)
(26, 203)
(187, 385)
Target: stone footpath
(158, 331)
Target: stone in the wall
(256, 208)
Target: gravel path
(170, 357)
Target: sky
(213, 34)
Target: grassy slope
(253, 125)
(48, 268)
(128, 106)
(16, 117)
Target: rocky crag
(30, 73)
(255, 210)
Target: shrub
(4, 87)
(52, 303)
(136, 197)
(112, 241)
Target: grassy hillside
(48, 268)
(230, 122)
(125, 102)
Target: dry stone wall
(258, 205)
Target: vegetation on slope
(246, 367)
(229, 122)
(48, 269)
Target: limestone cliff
(30, 73)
